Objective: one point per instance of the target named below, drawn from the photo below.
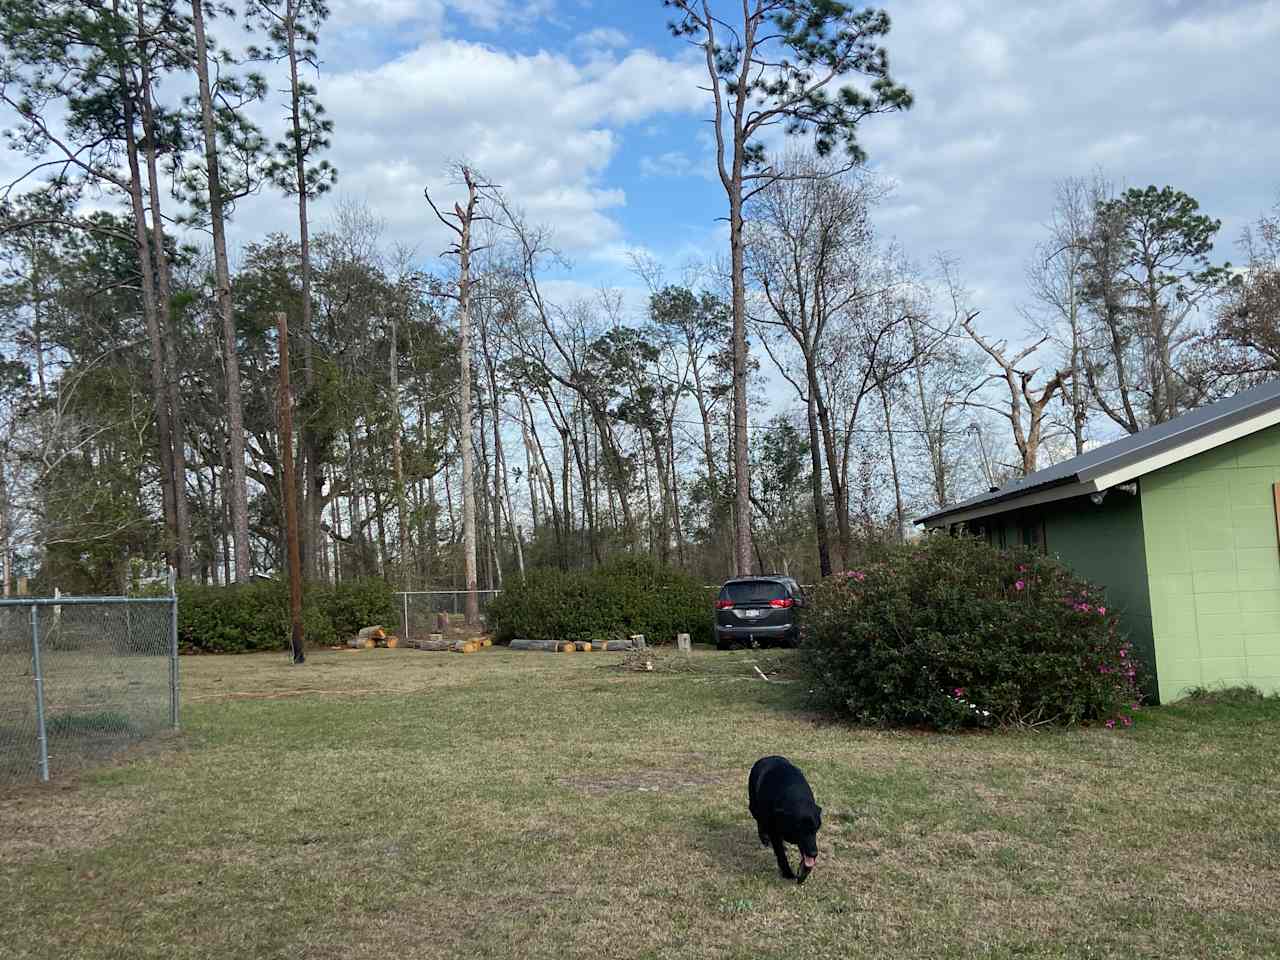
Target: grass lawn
(395, 804)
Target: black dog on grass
(779, 798)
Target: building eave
(1062, 491)
(1104, 475)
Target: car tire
(724, 645)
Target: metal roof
(1131, 450)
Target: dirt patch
(642, 781)
(34, 826)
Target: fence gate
(81, 677)
(418, 608)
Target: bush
(255, 616)
(353, 604)
(623, 597)
(952, 632)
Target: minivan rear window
(753, 591)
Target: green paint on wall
(1214, 566)
(1104, 543)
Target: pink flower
(1022, 568)
(859, 575)
(1103, 668)
(959, 691)
(1019, 585)
(1102, 611)
(1123, 652)
(1111, 724)
(1127, 721)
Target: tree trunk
(502, 485)
(675, 489)
(815, 479)
(893, 468)
(397, 462)
(165, 321)
(288, 491)
(308, 451)
(464, 435)
(741, 471)
(237, 495)
(150, 312)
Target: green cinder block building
(1179, 524)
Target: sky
(589, 115)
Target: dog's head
(801, 828)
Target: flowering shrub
(949, 632)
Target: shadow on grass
(731, 845)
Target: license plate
(750, 614)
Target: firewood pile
(439, 643)
(370, 637)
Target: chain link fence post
(173, 648)
(37, 668)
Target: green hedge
(952, 632)
(255, 616)
(623, 597)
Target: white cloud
(541, 126)
(602, 38)
(673, 163)
(1151, 91)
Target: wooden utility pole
(289, 493)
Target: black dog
(779, 798)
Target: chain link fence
(419, 609)
(81, 677)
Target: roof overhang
(1105, 475)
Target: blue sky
(588, 113)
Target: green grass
(390, 803)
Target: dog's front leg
(780, 852)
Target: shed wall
(1214, 565)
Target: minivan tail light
(724, 604)
(783, 603)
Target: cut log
(487, 641)
(393, 642)
(522, 644)
(369, 643)
(436, 645)
(637, 641)
(584, 646)
(374, 633)
(567, 647)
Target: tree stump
(637, 641)
(684, 643)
